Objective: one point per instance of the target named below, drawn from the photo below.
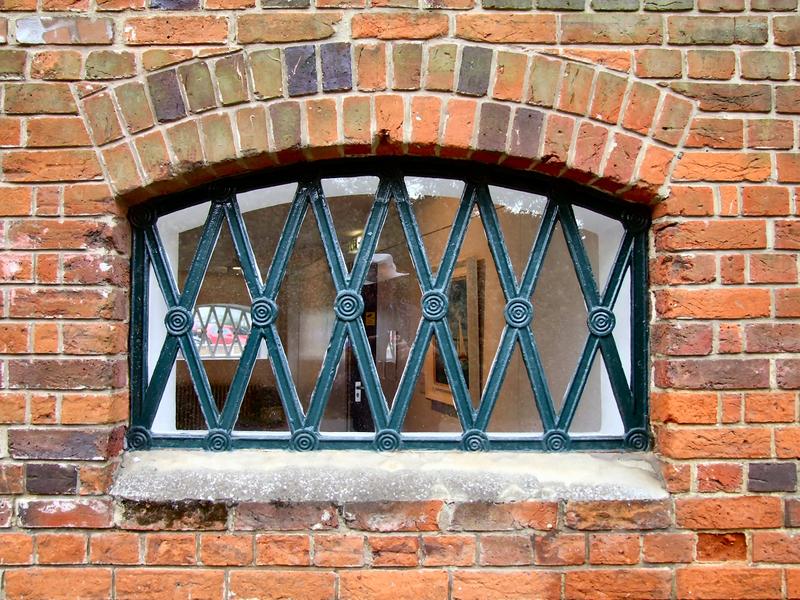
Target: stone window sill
(363, 476)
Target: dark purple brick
(337, 74)
(493, 127)
(285, 3)
(51, 478)
(166, 95)
(476, 63)
(301, 70)
(772, 477)
(175, 4)
(526, 132)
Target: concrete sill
(361, 476)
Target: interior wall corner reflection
(425, 308)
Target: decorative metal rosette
(218, 440)
(434, 305)
(142, 216)
(475, 440)
(387, 440)
(637, 439)
(263, 312)
(601, 321)
(349, 305)
(304, 440)
(556, 441)
(519, 312)
(178, 320)
(634, 221)
(139, 438)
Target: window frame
(559, 192)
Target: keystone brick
(407, 62)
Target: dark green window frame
(303, 433)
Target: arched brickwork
(219, 115)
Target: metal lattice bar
(302, 430)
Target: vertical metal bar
(639, 327)
(137, 334)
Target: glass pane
(264, 212)
(515, 409)
(597, 411)
(520, 216)
(261, 408)
(435, 203)
(348, 407)
(350, 200)
(305, 308)
(180, 233)
(397, 303)
(432, 409)
(622, 325)
(601, 237)
(559, 317)
(220, 330)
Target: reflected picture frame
(464, 318)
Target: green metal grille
(303, 432)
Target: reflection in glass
(392, 294)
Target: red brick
(756, 512)
(283, 550)
(393, 585)
(717, 547)
(338, 550)
(719, 477)
(170, 549)
(506, 585)
(668, 548)
(58, 584)
(714, 443)
(613, 549)
(61, 548)
(394, 550)
(448, 550)
(169, 584)
(482, 516)
(16, 549)
(114, 548)
(741, 583)
(616, 584)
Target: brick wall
(688, 105)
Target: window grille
(404, 304)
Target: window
(389, 303)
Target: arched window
(389, 303)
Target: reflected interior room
(392, 312)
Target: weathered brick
(336, 70)
(473, 78)
(173, 516)
(736, 583)
(50, 478)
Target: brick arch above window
(213, 116)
